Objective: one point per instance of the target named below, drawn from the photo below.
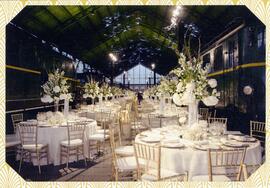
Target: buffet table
(182, 155)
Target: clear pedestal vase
(193, 113)
(66, 107)
(171, 102)
(56, 105)
(162, 104)
(100, 100)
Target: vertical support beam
(155, 81)
(112, 72)
(124, 80)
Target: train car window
(231, 54)
(264, 37)
(218, 58)
(260, 39)
(206, 60)
(251, 36)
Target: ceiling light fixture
(174, 18)
(153, 65)
(113, 57)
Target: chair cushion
(101, 131)
(206, 178)
(124, 150)
(127, 163)
(164, 174)
(32, 147)
(75, 142)
(98, 137)
(12, 140)
(138, 126)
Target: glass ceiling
(138, 75)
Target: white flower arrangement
(105, 90)
(57, 118)
(52, 118)
(56, 88)
(91, 90)
(195, 133)
(193, 84)
(167, 87)
(152, 91)
(116, 91)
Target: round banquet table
(53, 135)
(187, 158)
(168, 117)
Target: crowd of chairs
(133, 162)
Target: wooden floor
(98, 169)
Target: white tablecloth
(194, 161)
(53, 137)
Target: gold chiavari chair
(16, 119)
(124, 115)
(120, 149)
(257, 130)
(218, 122)
(122, 167)
(74, 145)
(30, 148)
(150, 169)
(101, 136)
(204, 112)
(213, 114)
(103, 118)
(137, 126)
(224, 165)
(12, 141)
(154, 120)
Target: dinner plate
(173, 145)
(206, 147)
(44, 125)
(151, 139)
(243, 138)
(234, 144)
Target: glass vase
(66, 107)
(193, 113)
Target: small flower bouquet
(56, 88)
(105, 90)
(91, 90)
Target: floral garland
(91, 90)
(193, 84)
(56, 88)
(105, 90)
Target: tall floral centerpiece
(91, 90)
(193, 86)
(153, 92)
(166, 88)
(116, 91)
(56, 89)
(105, 90)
